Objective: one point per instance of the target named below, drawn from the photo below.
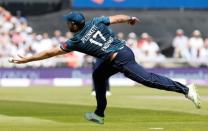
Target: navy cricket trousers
(126, 64)
(97, 62)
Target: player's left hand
(20, 60)
(133, 20)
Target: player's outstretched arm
(40, 56)
(123, 19)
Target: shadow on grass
(74, 113)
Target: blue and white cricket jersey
(95, 39)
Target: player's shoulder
(99, 19)
(94, 20)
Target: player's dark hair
(80, 25)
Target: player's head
(75, 21)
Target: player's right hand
(20, 60)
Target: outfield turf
(129, 109)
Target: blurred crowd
(17, 37)
(194, 47)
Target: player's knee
(140, 78)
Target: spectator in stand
(36, 39)
(120, 36)
(57, 38)
(17, 38)
(206, 42)
(5, 18)
(4, 38)
(195, 43)
(46, 42)
(20, 18)
(142, 40)
(26, 32)
(180, 44)
(149, 50)
(203, 54)
(140, 55)
(132, 40)
(150, 46)
(7, 25)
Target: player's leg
(137, 73)
(126, 63)
(95, 65)
(101, 75)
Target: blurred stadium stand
(34, 7)
(140, 4)
(159, 19)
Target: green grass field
(129, 109)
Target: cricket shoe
(93, 93)
(193, 96)
(91, 116)
(108, 93)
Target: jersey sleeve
(103, 19)
(66, 46)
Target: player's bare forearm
(40, 56)
(123, 19)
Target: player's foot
(93, 93)
(91, 116)
(193, 95)
(108, 93)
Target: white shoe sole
(196, 100)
